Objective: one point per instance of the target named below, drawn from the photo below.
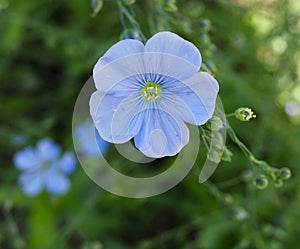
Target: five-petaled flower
(43, 168)
(148, 92)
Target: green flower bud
(213, 156)
(217, 141)
(278, 183)
(216, 123)
(130, 34)
(228, 198)
(240, 213)
(275, 174)
(261, 182)
(204, 37)
(285, 173)
(205, 25)
(227, 154)
(244, 114)
(247, 175)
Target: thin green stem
(253, 170)
(241, 145)
(230, 182)
(214, 191)
(125, 12)
(204, 137)
(260, 163)
(230, 115)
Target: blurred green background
(48, 49)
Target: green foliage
(48, 49)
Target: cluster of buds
(278, 176)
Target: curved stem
(260, 163)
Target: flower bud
(285, 173)
(130, 34)
(213, 156)
(228, 198)
(216, 123)
(240, 213)
(275, 174)
(227, 154)
(244, 114)
(278, 183)
(205, 24)
(261, 182)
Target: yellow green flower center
(151, 91)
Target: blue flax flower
(148, 92)
(44, 168)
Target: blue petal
(56, 182)
(32, 183)
(199, 93)
(85, 134)
(170, 43)
(161, 134)
(67, 163)
(178, 107)
(102, 144)
(120, 72)
(118, 50)
(47, 150)
(26, 159)
(128, 74)
(167, 67)
(116, 119)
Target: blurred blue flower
(148, 92)
(292, 108)
(43, 167)
(84, 134)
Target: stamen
(151, 91)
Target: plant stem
(260, 163)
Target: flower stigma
(151, 91)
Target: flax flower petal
(199, 94)
(170, 43)
(117, 119)
(56, 182)
(161, 134)
(32, 183)
(26, 159)
(120, 49)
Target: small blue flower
(148, 92)
(84, 134)
(43, 167)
